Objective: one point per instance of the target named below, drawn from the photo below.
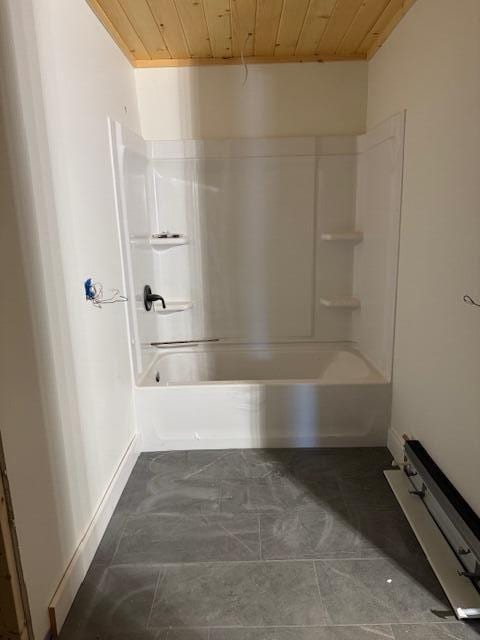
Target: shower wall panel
(250, 214)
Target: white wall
(64, 438)
(429, 66)
(277, 100)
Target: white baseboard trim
(395, 445)
(75, 573)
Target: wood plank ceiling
(157, 33)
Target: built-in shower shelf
(173, 306)
(340, 303)
(166, 243)
(351, 236)
(160, 244)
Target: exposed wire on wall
(470, 300)
(242, 58)
(94, 294)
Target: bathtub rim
(375, 377)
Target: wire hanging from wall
(94, 294)
(469, 300)
(242, 58)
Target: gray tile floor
(289, 544)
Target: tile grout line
(185, 515)
(259, 539)
(326, 614)
(157, 585)
(263, 560)
(352, 625)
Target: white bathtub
(232, 395)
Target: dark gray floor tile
(276, 495)
(372, 491)
(238, 594)
(180, 466)
(384, 532)
(312, 463)
(136, 488)
(110, 540)
(216, 464)
(377, 632)
(242, 633)
(234, 465)
(179, 496)
(335, 531)
(166, 538)
(262, 463)
(346, 462)
(171, 491)
(379, 591)
(111, 600)
(149, 634)
(187, 634)
(363, 462)
(321, 533)
(445, 631)
(183, 465)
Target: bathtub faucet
(149, 298)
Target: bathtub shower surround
(276, 259)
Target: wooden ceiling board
(217, 14)
(385, 25)
(316, 21)
(166, 17)
(290, 28)
(143, 21)
(192, 17)
(338, 25)
(156, 33)
(243, 14)
(266, 26)
(387, 14)
(366, 17)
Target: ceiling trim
(195, 62)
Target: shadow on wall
(275, 100)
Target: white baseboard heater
(445, 525)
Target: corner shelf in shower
(340, 303)
(173, 306)
(351, 236)
(160, 244)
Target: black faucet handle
(149, 298)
